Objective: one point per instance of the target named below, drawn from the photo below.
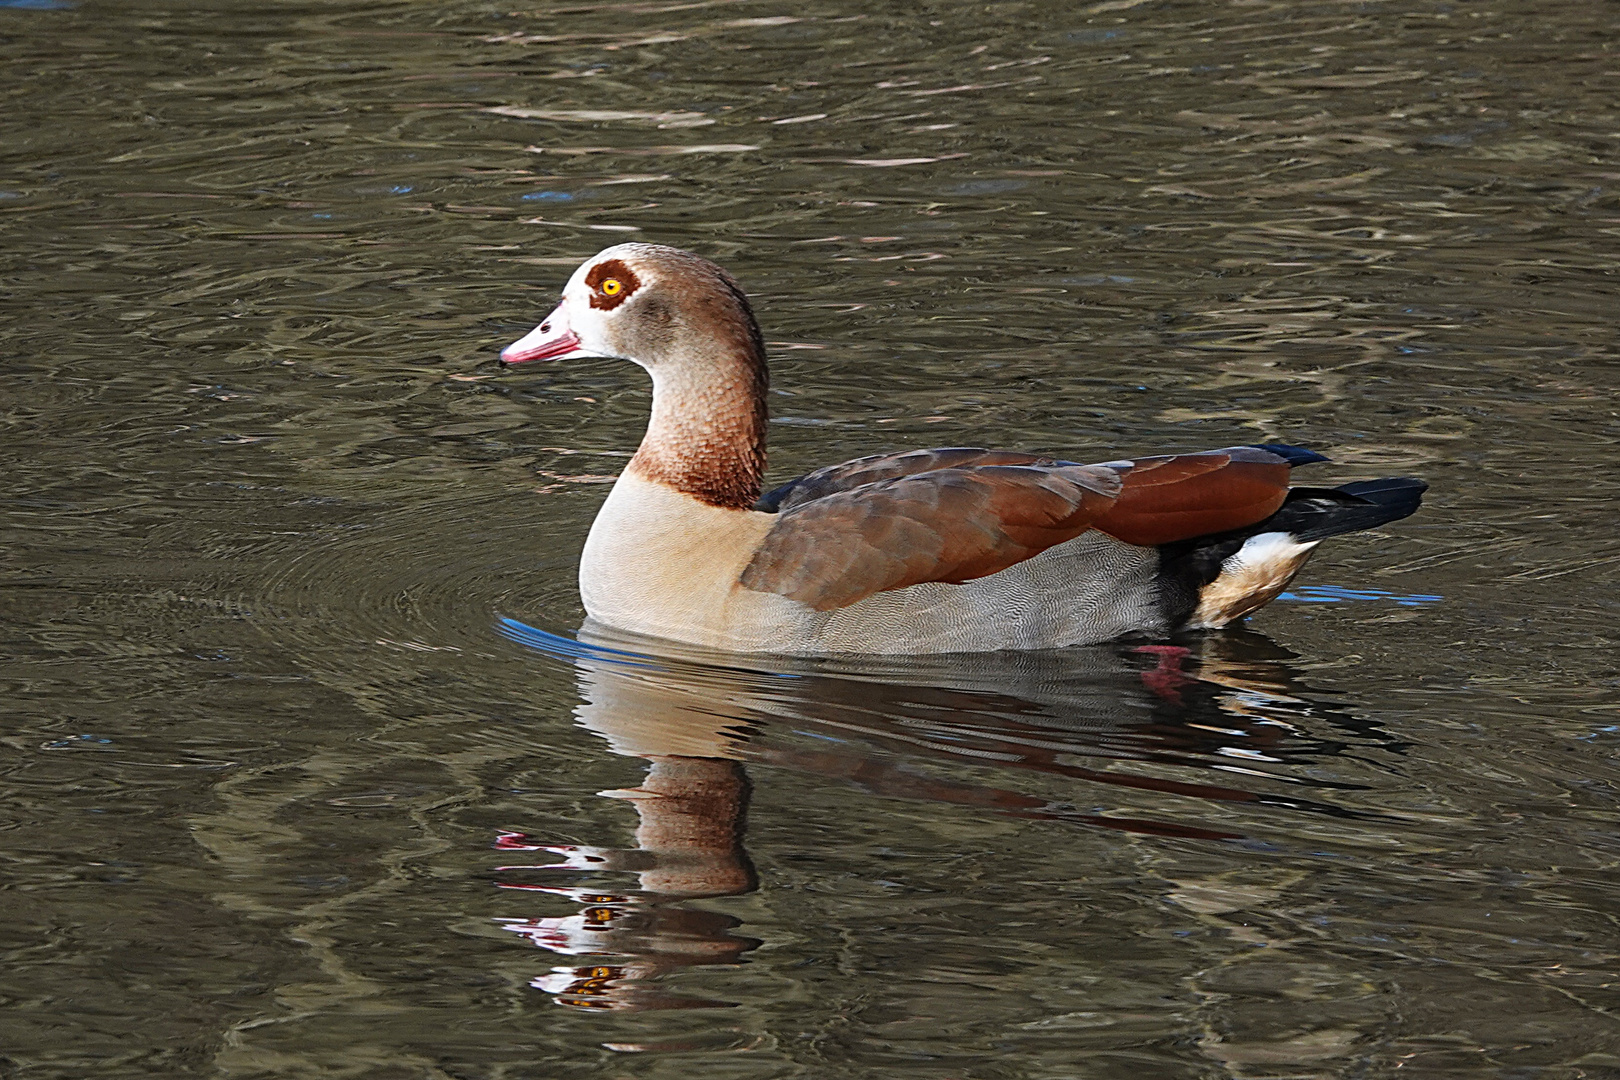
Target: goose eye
(611, 287)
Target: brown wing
(875, 467)
(1164, 499)
(945, 524)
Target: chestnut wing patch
(874, 467)
(949, 524)
(1177, 497)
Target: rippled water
(304, 766)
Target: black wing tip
(1294, 455)
(1376, 502)
(1388, 489)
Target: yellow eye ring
(611, 287)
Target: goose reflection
(1227, 704)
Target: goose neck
(706, 436)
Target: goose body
(931, 551)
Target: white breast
(662, 563)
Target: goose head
(688, 323)
(659, 306)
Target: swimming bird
(922, 551)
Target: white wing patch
(1250, 578)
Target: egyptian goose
(926, 551)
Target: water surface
(298, 719)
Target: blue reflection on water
(1333, 594)
(567, 648)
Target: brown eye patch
(611, 284)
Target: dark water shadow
(956, 730)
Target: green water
(269, 500)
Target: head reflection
(1129, 717)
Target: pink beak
(550, 340)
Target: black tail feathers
(1317, 513)
(1398, 487)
